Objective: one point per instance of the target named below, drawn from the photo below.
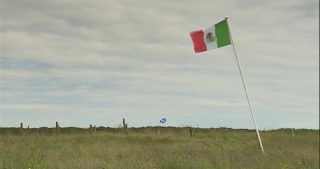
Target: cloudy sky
(95, 62)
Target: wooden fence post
(57, 128)
(21, 128)
(94, 129)
(124, 126)
(90, 129)
(190, 131)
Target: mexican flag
(213, 37)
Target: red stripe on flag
(198, 41)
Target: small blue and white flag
(163, 120)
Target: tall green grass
(144, 148)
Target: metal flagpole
(245, 88)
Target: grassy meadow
(146, 148)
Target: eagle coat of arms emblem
(210, 37)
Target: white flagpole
(245, 88)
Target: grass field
(145, 148)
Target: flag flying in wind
(213, 37)
(163, 120)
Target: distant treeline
(174, 130)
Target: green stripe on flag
(222, 34)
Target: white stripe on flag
(210, 44)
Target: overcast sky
(95, 62)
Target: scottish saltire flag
(163, 120)
(213, 37)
